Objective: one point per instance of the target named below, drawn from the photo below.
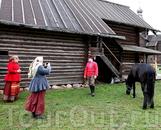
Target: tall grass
(74, 109)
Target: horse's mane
(139, 71)
(130, 77)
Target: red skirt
(11, 90)
(36, 102)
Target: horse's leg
(144, 89)
(145, 101)
(133, 90)
(152, 104)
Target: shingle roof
(153, 40)
(117, 13)
(73, 15)
(140, 49)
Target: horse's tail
(150, 85)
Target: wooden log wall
(132, 38)
(131, 33)
(142, 41)
(159, 49)
(65, 52)
(151, 58)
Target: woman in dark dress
(38, 85)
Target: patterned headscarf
(12, 58)
(34, 66)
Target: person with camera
(38, 85)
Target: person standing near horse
(38, 85)
(155, 65)
(12, 78)
(90, 74)
(141, 61)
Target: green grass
(73, 109)
(158, 71)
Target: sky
(151, 10)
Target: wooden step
(110, 65)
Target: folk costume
(38, 85)
(12, 78)
(90, 73)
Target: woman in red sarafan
(12, 78)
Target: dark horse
(145, 74)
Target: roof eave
(139, 49)
(46, 28)
(134, 25)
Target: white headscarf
(34, 66)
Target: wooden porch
(98, 51)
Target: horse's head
(128, 87)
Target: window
(4, 53)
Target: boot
(15, 99)
(9, 101)
(92, 91)
(40, 116)
(32, 114)
(92, 94)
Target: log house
(65, 32)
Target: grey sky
(151, 10)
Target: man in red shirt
(91, 73)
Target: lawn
(158, 71)
(73, 109)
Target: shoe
(32, 114)
(15, 99)
(92, 94)
(40, 116)
(9, 101)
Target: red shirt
(91, 69)
(12, 74)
